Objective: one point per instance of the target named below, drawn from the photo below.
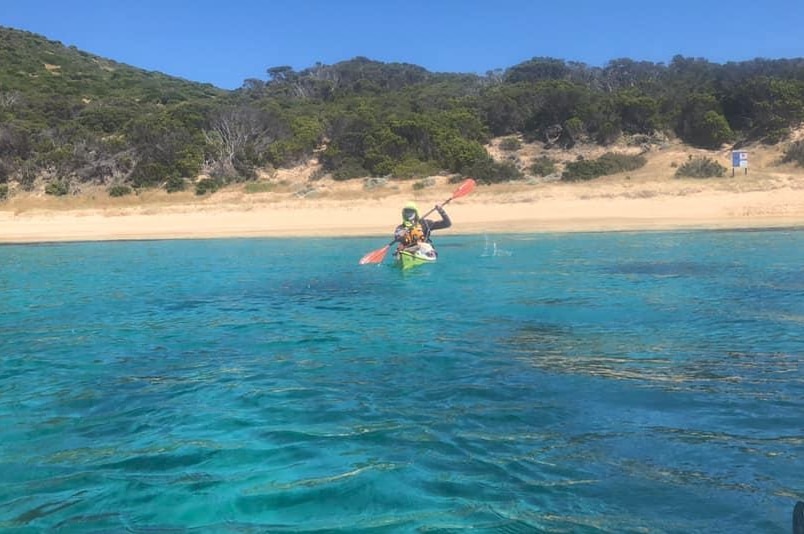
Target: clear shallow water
(550, 383)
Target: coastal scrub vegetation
(543, 166)
(609, 163)
(69, 118)
(794, 153)
(700, 167)
(119, 191)
(510, 144)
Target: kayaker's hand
(439, 209)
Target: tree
(559, 101)
(701, 122)
(280, 74)
(506, 109)
(538, 69)
(762, 105)
(638, 113)
(253, 87)
(163, 148)
(714, 130)
(624, 74)
(238, 134)
(306, 134)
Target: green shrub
(510, 144)
(148, 174)
(573, 127)
(119, 191)
(700, 167)
(174, 184)
(348, 170)
(609, 163)
(207, 185)
(794, 153)
(57, 189)
(414, 168)
(27, 177)
(423, 184)
(700, 124)
(3, 192)
(488, 171)
(543, 166)
(776, 136)
(712, 130)
(607, 133)
(458, 154)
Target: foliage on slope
(69, 118)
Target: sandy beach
(651, 199)
(492, 209)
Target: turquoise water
(624, 382)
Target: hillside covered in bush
(69, 118)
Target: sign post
(739, 158)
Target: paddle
(376, 256)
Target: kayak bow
(416, 255)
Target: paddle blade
(464, 189)
(375, 256)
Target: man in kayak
(413, 230)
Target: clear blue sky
(225, 42)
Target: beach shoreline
(489, 210)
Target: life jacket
(414, 235)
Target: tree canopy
(74, 118)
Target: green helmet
(410, 213)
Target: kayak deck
(416, 255)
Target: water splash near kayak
(490, 249)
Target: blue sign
(739, 159)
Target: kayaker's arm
(445, 221)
